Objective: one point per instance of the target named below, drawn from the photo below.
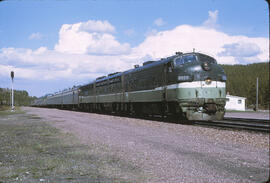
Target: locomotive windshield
(205, 58)
(185, 59)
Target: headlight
(206, 66)
(208, 81)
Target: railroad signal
(257, 95)
(12, 75)
(12, 93)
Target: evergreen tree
(241, 81)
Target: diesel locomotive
(187, 85)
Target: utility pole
(12, 93)
(257, 95)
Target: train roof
(145, 65)
(151, 64)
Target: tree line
(242, 81)
(21, 97)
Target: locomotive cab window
(205, 58)
(185, 59)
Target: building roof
(232, 96)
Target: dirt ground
(31, 151)
(50, 145)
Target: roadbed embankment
(167, 152)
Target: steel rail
(261, 121)
(255, 125)
(240, 124)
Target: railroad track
(256, 125)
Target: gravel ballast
(168, 152)
(248, 114)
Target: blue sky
(52, 45)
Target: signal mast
(12, 93)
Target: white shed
(235, 103)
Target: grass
(5, 110)
(33, 151)
(4, 107)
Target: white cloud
(150, 32)
(159, 22)
(240, 49)
(243, 52)
(211, 22)
(40, 50)
(90, 37)
(210, 41)
(96, 26)
(36, 36)
(88, 50)
(44, 64)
